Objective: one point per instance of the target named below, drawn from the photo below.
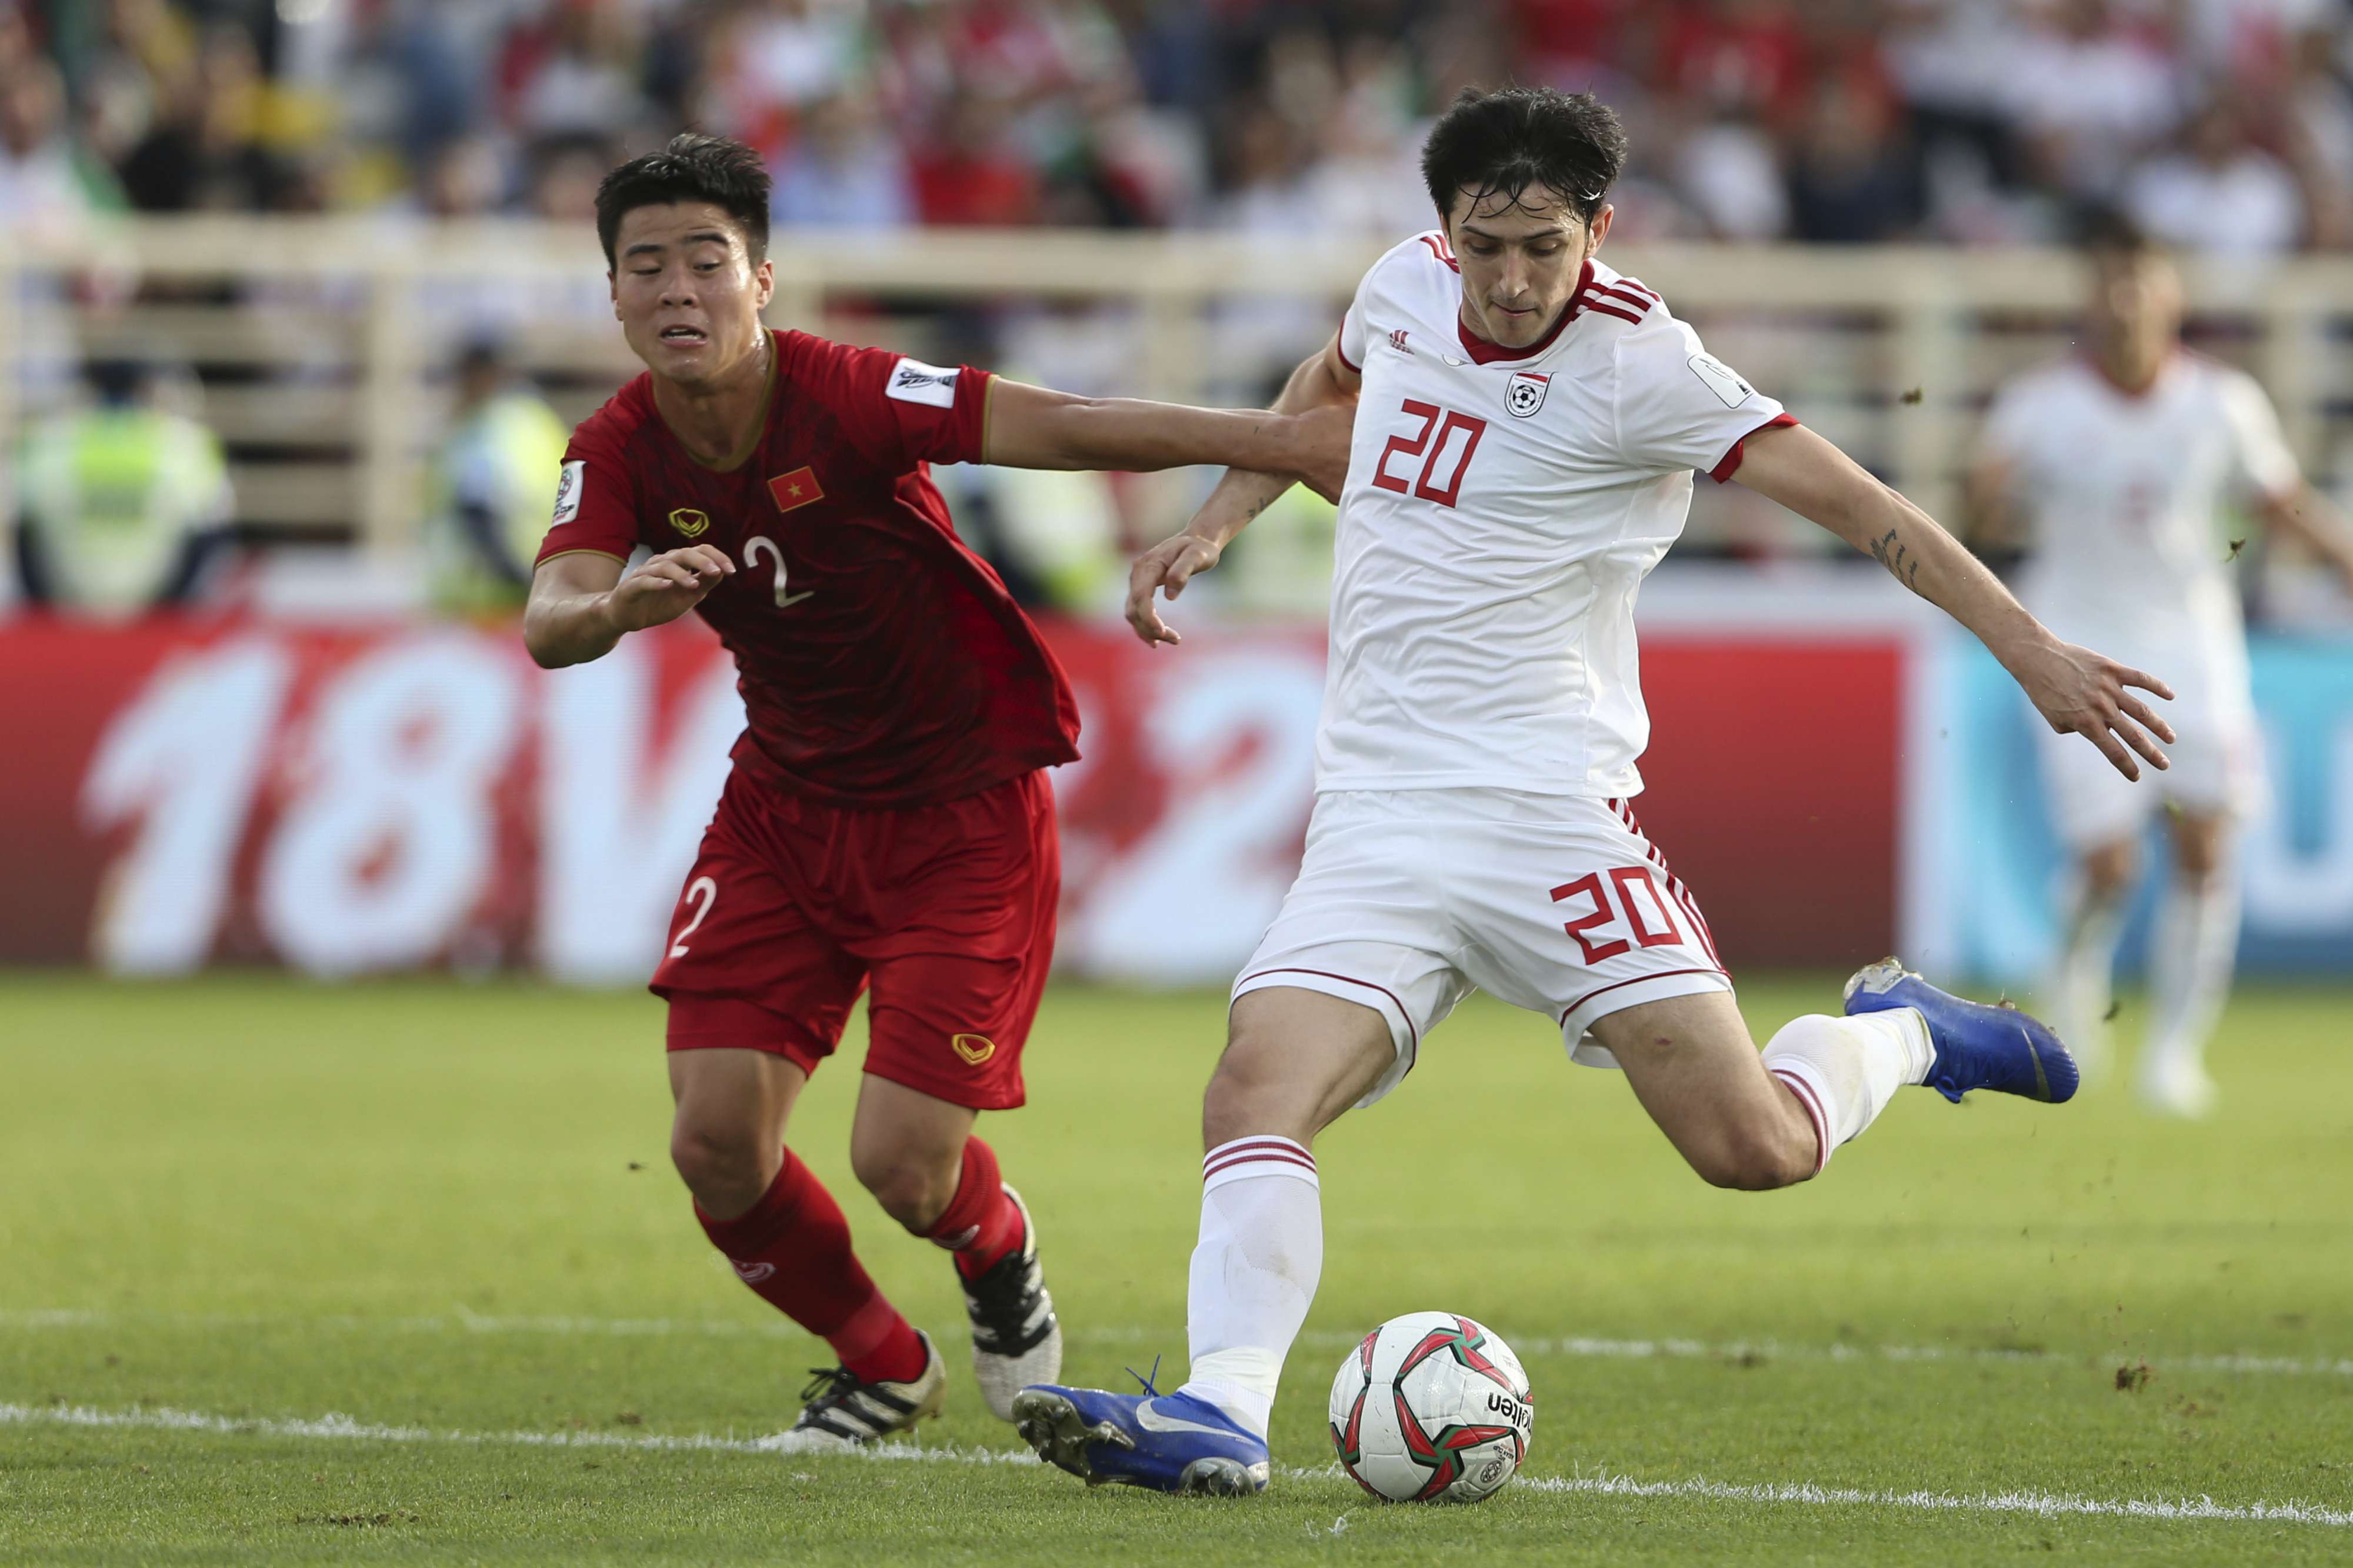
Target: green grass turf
(442, 1207)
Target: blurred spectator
(204, 149)
(2317, 110)
(565, 176)
(2089, 92)
(493, 483)
(1728, 171)
(844, 171)
(1735, 57)
(576, 73)
(121, 506)
(969, 172)
(1264, 163)
(46, 192)
(2219, 193)
(1853, 179)
(41, 180)
(1948, 59)
(1367, 179)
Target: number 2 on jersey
(785, 601)
(1421, 444)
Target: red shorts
(948, 912)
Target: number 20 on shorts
(1627, 908)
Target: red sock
(792, 1247)
(981, 1224)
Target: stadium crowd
(2218, 123)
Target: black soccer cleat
(843, 1410)
(1016, 1338)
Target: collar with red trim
(1481, 351)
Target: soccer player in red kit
(886, 827)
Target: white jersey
(2123, 492)
(1502, 507)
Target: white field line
(2047, 1505)
(461, 1321)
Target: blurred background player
(887, 829)
(122, 506)
(490, 478)
(2115, 468)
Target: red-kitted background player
(887, 827)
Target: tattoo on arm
(1889, 552)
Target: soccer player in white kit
(2114, 465)
(1527, 422)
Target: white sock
(1255, 1272)
(2191, 952)
(1845, 1070)
(2082, 987)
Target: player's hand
(1167, 567)
(666, 587)
(1323, 436)
(2080, 692)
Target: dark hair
(692, 168)
(2110, 233)
(1504, 142)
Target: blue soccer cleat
(1978, 1045)
(1168, 1442)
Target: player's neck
(719, 421)
(2131, 370)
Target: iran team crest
(1526, 393)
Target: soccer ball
(1431, 1408)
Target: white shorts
(1408, 900)
(2217, 770)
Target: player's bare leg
(2083, 985)
(918, 1155)
(1744, 1119)
(787, 1240)
(1294, 1061)
(1691, 1062)
(2192, 951)
(907, 1148)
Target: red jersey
(881, 662)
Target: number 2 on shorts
(702, 888)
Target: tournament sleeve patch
(912, 381)
(568, 489)
(1722, 379)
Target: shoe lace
(1146, 1379)
(829, 1384)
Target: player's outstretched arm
(1036, 427)
(1322, 385)
(583, 603)
(2304, 515)
(2075, 690)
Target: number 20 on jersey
(1436, 445)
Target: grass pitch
(399, 1273)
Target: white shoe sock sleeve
(1845, 1070)
(2192, 951)
(1255, 1272)
(2083, 983)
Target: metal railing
(318, 341)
